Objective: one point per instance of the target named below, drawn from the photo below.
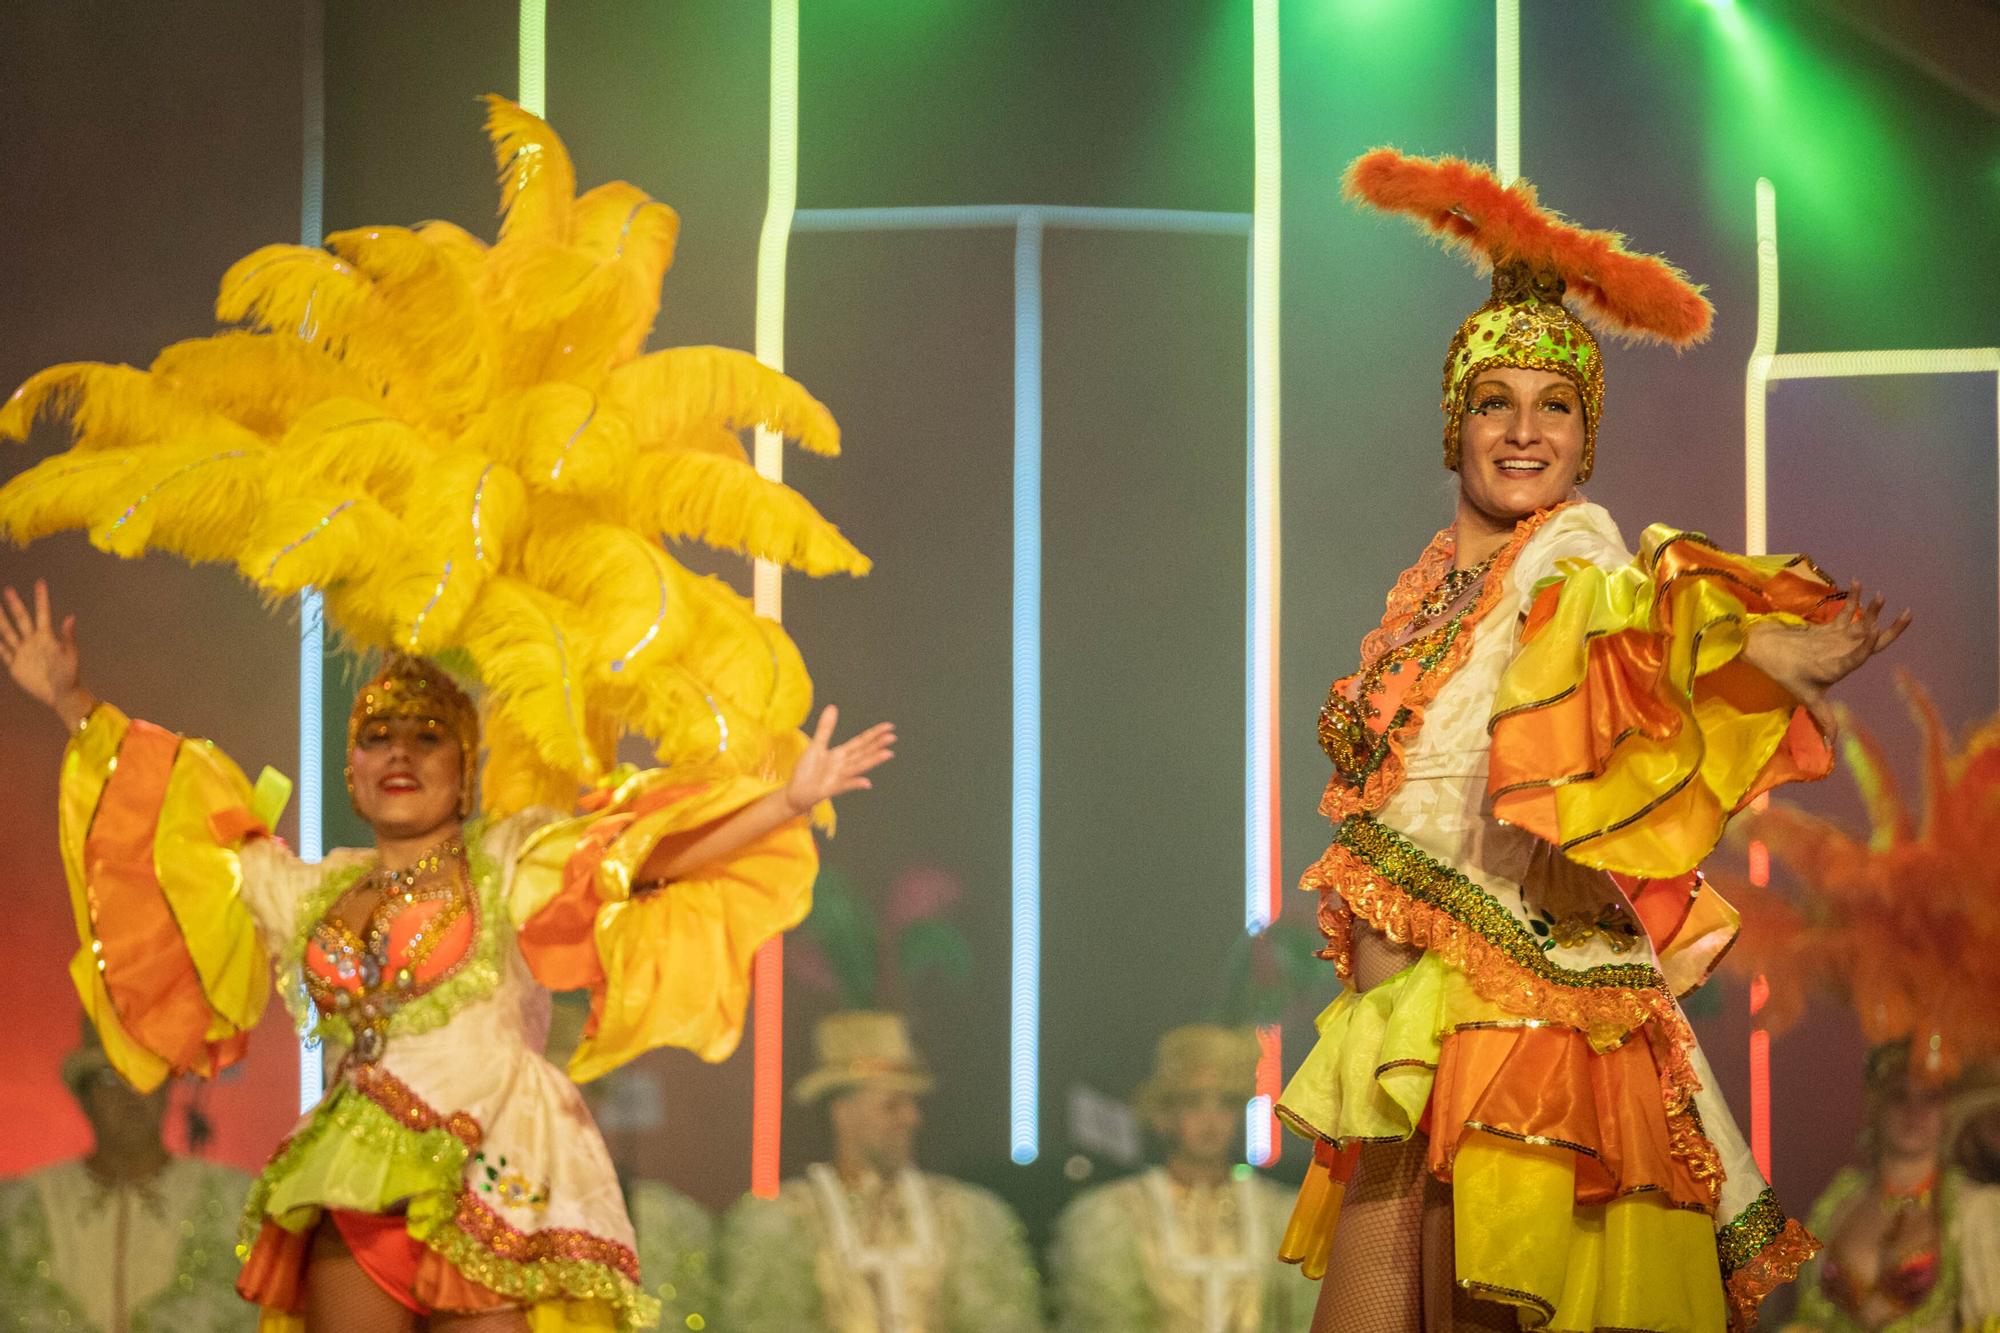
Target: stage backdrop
(150, 149)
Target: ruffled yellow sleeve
(1629, 728)
(666, 965)
(171, 970)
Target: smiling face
(406, 775)
(1521, 442)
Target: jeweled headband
(414, 687)
(1537, 259)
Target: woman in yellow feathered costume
(461, 446)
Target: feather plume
(669, 390)
(537, 181)
(1466, 209)
(1905, 926)
(461, 445)
(727, 504)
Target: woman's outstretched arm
(41, 655)
(823, 772)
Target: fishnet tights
(1392, 1269)
(342, 1298)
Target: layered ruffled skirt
(1567, 1198)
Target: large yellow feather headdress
(463, 447)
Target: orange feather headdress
(1537, 258)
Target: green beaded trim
(475, 978)
(352, 1115)
(1400, 862)
(1743, 1239)
(544, 1279)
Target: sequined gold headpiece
(414, 687)
(1537, 259)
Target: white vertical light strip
(1025, 997)
(534, 57)
(1507, 90)
(773, 245)
(1757, 380)
(312, 623)
(1261, 900)
(1261, 749)
(767, 1093)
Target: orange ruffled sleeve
(665, 966)
(1628, 728)
(171, 969)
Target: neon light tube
(1025, 995)
(767, 1096)
(1507, 90)
(312, 609)
(1261, 902)
(534, 56)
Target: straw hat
(863, 1048)
(1197, 1058)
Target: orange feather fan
(1903, 925)
(1466, 209)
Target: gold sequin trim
(1760, 1251)
(1509, 1296)
(396, 1097)
(1375, 874)
(1537, 1140)
(1365, 787)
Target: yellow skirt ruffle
(1636, 1260)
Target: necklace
(433, 860)
(1449, 589)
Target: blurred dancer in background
(130, 1239)
(867, 1243)
(1189, 1246)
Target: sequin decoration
(1367, 749)
(169, 479)
(310, 533)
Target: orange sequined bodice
(419, 928)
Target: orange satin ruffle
(1544, 1084)
(274, 1272)
(1629, 727)
(665, 964)
(169, 970)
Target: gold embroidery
(1368, 764)
(396, 1097)
(1375, 874)
(1760, 1251)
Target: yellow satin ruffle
(1368, 1077)
(668, 966)
(1637, 1262)
(1628, 728)
(170, 968)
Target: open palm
(826, 770)
(40, 655)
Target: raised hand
(40, 655)
(826, 770)
(1809, 659)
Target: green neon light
(534, 91)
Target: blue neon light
(1025, 1012)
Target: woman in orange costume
(463, 447)
(1546, 735)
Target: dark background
(148, 146)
